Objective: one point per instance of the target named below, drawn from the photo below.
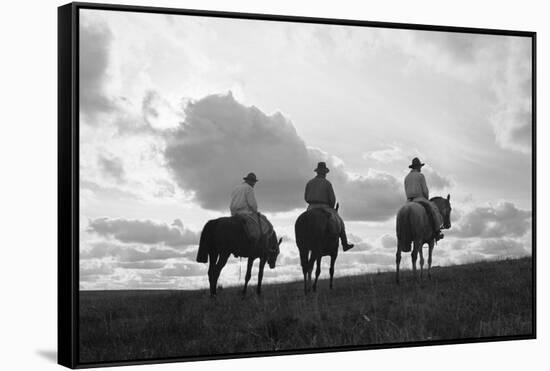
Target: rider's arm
(425, 191)
(331, 196)
(251, 200)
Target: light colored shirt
(415, 185)
(320, 191)
(243, 200)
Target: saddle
(256, 226)
(433, 214)
(334, 221)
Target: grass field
(483, 299)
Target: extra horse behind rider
(414, 227)
(227, 235)
(315, 239)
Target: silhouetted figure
(244, 206)
(417, 191)
(320, 194)
(243, 200)
(224, 236)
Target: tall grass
(467, 301)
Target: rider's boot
(345, 245)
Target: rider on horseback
(243, 205)
(320, 194)
(417, 191)
(243, 200)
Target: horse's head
(444, 206)
(273, 249)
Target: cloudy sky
(175, 110)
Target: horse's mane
(437, 198)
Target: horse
(413, 226)
(315, 241)
(227, 235)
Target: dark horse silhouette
(225, 236)
(413, 226)
(315, 241)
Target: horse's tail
(300, 231)
(311, 228)
(206, 242)
(404, 229)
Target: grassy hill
(483, 299)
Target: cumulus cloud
(373, 197)
(436, 180)
(92, 269)
(142, 265)
(391, 154)
(158, 113)
(502, 220)
(221, 140)
(143, 231)
(184, 270)
(470, 257)
(512, 117)
(389, 241)
(112, 167)
(364, 256)
(380, 258)
(364, 259)
(95, 41)
(470, 250)
(362, 246)
(502, 248)
(395, 153)
(106, 193)
(130, 254)
(502, 63)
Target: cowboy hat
(322, 168)
(416, 164)
(251, 177)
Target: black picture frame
(68, 176)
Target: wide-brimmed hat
(322, 168)
(416, 164)
(251, 177)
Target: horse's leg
(304, 263)
(421, 261)
(260, 276)
(331, 270)
(211, 274)
(222, 260)
(397, 262)
(248, 274)
(414, 255)
(310, 263)
(317, 273)
(430, 247)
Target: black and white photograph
(258, 186)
